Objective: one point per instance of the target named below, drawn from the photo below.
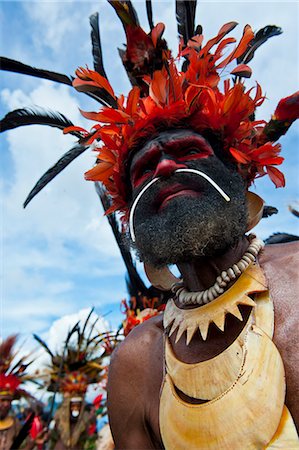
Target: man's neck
(201, 273)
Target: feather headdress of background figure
(13, 370)
(81, 362)
(13, 376)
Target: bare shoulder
(275, 253)
(139, 346)
(280, 263)
(135, 376)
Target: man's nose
(167, 166)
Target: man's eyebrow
(143, 159)
(186, 140)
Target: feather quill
(43, 344)
(185, 16)
(16, 66)
(133, 275)
(35, 116)
(149, 13)
(96, 45)
(260, 38)
(51, 173)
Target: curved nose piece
(166, 167)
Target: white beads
(185, 297)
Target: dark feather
(35, 116)
(43, 344)
(96, 45)
(84, 327)
(133, 80)
(185, 16)
(135, 279)
(260, 38)
(6, 347)
(274, 129)
(269, 211)
(149, 12)
(100, 95)
(24, 431)
(126, 12)
(16, 66)
(51, 173)
(293, 210)
(90, 332)
(281, 238)
(72, 331)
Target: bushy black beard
(191, 227)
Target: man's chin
(187, 228)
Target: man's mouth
(171, 192)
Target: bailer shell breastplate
(243, 388)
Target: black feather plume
(185, 16)
(260, 38)
(82, 333)
(51, 173)
(96, 45)
(16, 66)
(149, 13)
(24, 431)
(269, 211)
(135, 279)
(43, 344)
(35, 116)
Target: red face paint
(167, 153)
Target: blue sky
(58, 255)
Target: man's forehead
(166, 136)
(160, 140)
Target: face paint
(75, 413)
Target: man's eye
(191, 151)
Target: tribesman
(73, 368)
(177, 159)
(13, 375)
(72, 420)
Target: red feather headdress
(12, 369)
(195, 96)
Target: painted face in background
(183, 216)
(5, 405)
(75, 408)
